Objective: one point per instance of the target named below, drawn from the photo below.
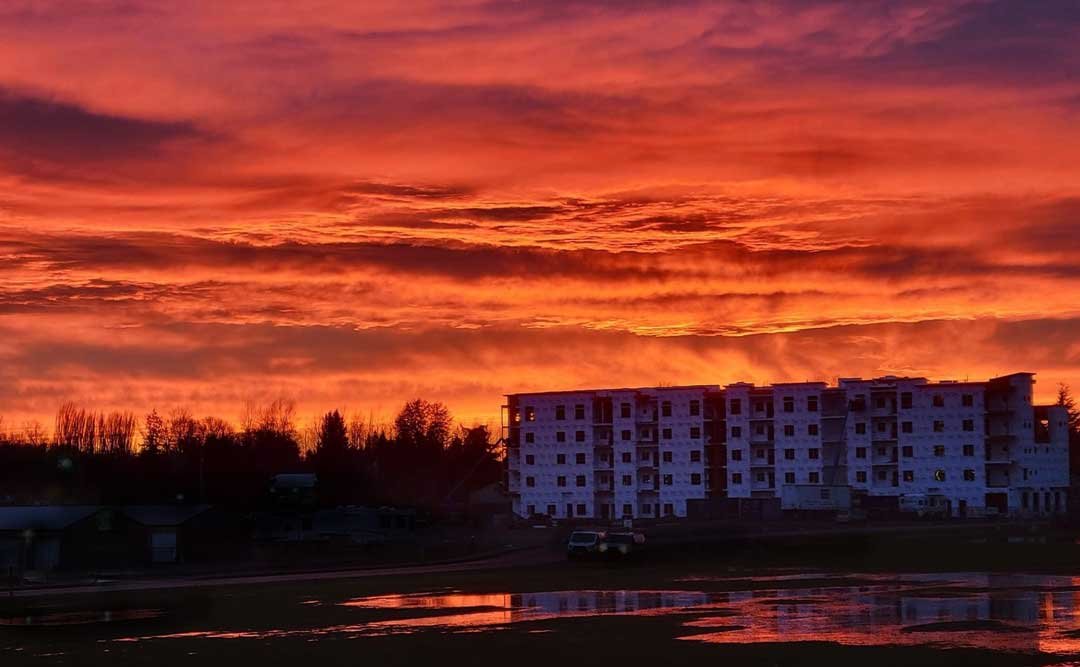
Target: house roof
(163, 515)
(44, 517)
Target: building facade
(961, 448)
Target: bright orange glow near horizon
(355, 204)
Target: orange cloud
(357, 203)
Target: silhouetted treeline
(422, 460)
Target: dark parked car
(583, 543)
(620, 545)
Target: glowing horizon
(356, 204)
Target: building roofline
(919, 382)
(609, 390)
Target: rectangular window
(530, 510)
(560, 436)
(969, 450)
(665, 408)
(580, 458)
(811, 429)
(646, 508)
(907, 451)
(860, 428)
(860, 476)
(667, 480)
(530, 413)
(624, 412)
(695, 432)
(909, 475)
(811, 403)
(627, 510)
(560, 481)
(814, 452)
(579, 411)
(626, 435)
(882, 475)
(939, 401)
(789, 454)
(560, 459)
(581, 509)
(879, 402)
(627, 457)
(736, 406)
(579, 436)
(939, 427)
(669, 509)
(969, 424)
(736, 431)
(939, 450)
(667, 434)
(695, 478)
(789, 430)
(906, 427)
(967, 400)
(530, 481)
(560, 412)
(695, 408)
(789, 478)
(789, 404)
(736, 455)
(969, 475)
(814, 477)
(905, 400)
(581, 480)
(551, 510)
(627, 480)
(695, 456)
(530, 459)
(860, 452)
(529, 438)
(667, 457)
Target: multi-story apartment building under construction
(964, 448)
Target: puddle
(1015, 612)
(478, 612)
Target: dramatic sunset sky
(354, 203)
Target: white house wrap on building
(969, 447)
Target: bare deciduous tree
(116, 432)
(34, 434)
(358, 431)
(76, 428)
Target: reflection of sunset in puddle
(523, 607)
(1001, 612)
